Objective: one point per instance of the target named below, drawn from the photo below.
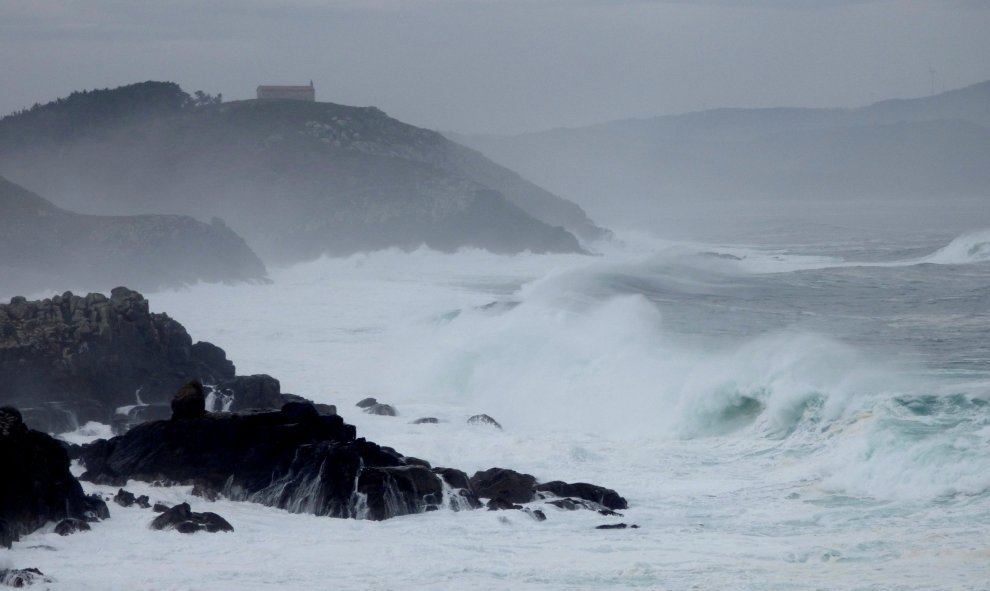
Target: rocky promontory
(43, 245)
(296, 179)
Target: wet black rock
(426, 421)
(97, 509)
(385, 410)
(537, 514)
(323, 409)
(483, 419)
(462, 496)
(127, 499)
(582, 490)
(19, 578)
(189, 402)
(128, 416)
(501, 504)
(36, 486)
(204, 491)
(7, 535)
(68, 359)
(502, 483)
(70, 526)
(160, 508)
(616, 526)
(255, 391)
(412, 461)
(182, 519)
(366, 403)
(295, 458)
(566, 504)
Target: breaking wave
(973, 247)
(578, 352)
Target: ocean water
(800, 409)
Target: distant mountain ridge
(893, 149)
(45, 247)
(296, 179)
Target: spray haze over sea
(780, 414)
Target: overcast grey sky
(502, 65)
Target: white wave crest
(973, 247)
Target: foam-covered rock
(182, 519)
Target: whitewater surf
(780, 417)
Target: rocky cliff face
(44, 246)
(295, 179)
(71, 359)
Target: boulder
(182, 519)
(616, 526)
(366, 403)
(97, 510)
(70, 359)
(483, 419)
(22, 577)
(502, 483)
(189, 402)
(385, 410)
(255, 391)
(537, 514)
(70, 526)
(36, 486)
(127, 499)
(582, 490)
(426, 421)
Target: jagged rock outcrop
(36, 486)
(303, 461)
(44, 246)
(295, 459)
(296, 179)
(90, 355)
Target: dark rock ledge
(303, 461)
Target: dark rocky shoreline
(87, 354)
